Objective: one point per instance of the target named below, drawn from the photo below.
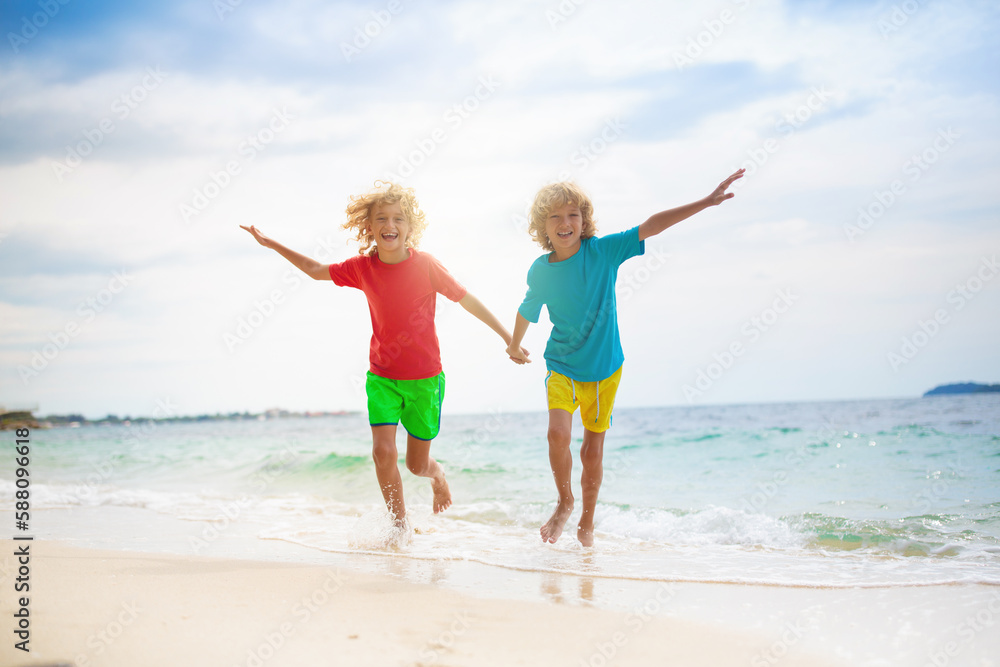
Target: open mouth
(564, 235)
(390, 236)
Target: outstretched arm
(481, 312)
(307, 265)
(520, 328)
(664, 219)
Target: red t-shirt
(401, 298)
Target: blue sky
(856, 261)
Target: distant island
(963, 388)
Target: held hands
(261, 239)
(720, 195)
(518, 355)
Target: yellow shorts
(595, 399)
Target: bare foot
(401, 534)
(585, 535)
(442, 494)
(553, 528)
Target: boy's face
(390, 228)
(563, 227)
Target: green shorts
(417, 403)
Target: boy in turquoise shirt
(576, 282)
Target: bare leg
(592, 458)
(561, 460)
(420, 463)
(386, 469)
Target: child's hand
(720, 195)
(261, 239)
(519, 355)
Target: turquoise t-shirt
(580, 295)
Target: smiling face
(390, 228)
(563, 227)
(561, 204)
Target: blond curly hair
(552, 197)
(384, 192)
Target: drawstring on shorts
(598, 402)
(572, 384)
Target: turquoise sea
(877, 493)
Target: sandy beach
(92, 607)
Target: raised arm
(307, 265)
(513, 350)
(664, 219)
(482, 313)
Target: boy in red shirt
(405, 381)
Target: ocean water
(879, 493)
